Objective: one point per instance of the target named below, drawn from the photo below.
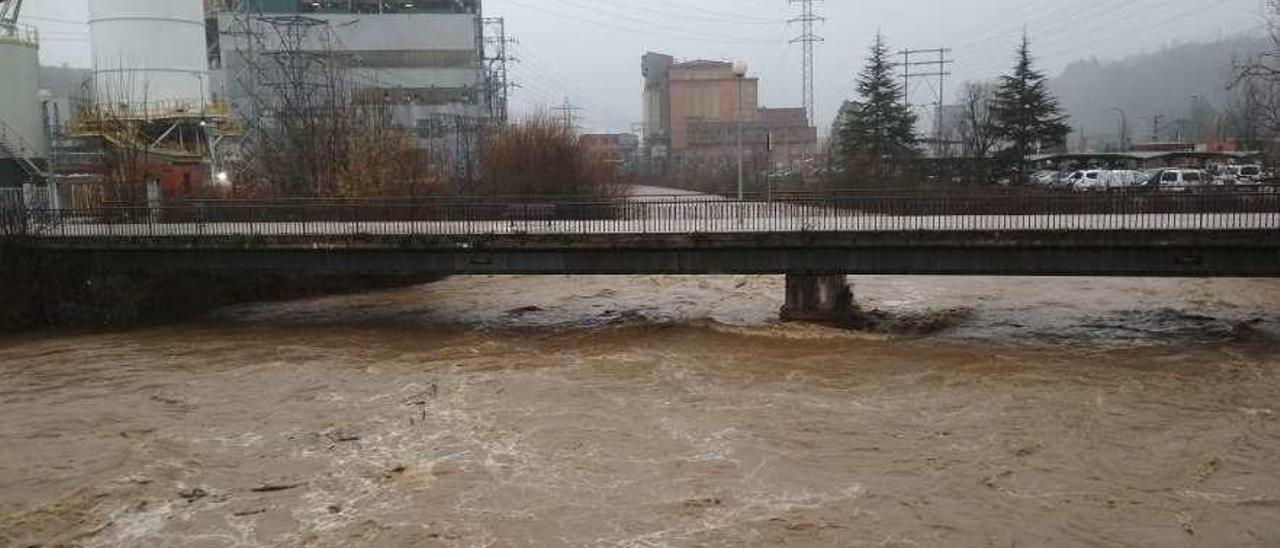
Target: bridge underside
(1022, 253)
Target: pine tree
(1028, 117)
(882, 129)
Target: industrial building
(176, 86)
(793, 139)
(149, 53)
(695, 111)
(149, 127)
(418, 69)
(425, 60)
(620, 149)
(24, 144)
(140, 126)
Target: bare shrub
(539, 157)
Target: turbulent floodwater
(658, 411)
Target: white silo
(22, 133)
(149, 51)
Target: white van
(1243, 175)
(1179, 180)
(1082, 181)
(1094, 180)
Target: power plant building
(149, 52)
(23, 141)
(695, 110)
(425, 59)
(175, 85)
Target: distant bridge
(1210, 233)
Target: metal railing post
(907, 211)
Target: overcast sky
(589, 50)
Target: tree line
(1002, 123)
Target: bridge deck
(1230, 234)
(728, 225)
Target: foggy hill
(1146, 85)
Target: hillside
(1161, 83)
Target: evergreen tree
(1027, 116)
(882, 129)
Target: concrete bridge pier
(816, 298)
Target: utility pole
(282, 77)
(940, 69)
(567, 113)
(807, 19)
(497, 57)
(1124, 128)
(739, 72)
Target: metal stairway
(12, 146)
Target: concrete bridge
(815, 240)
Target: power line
(684, 8)
(1072, 48)
(567, 112)
(499, 91)
(62, 20)
(548, 72)
(646, 30)
(939, 69)
(807, 19)
(1126, 8)
(697, 30)
(687, 14)
(1056, 14)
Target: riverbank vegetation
(541, 157)
(40, 290)
(374, 158)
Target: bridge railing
(1254, 208)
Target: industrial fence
(11, 199)
(1251, 208)
(25, 198)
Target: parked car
(1097, 180)
(1178, 180)
(1240, 174)
(1084, 180)
(1146, 175)
(1047, 179)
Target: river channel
(658, 412)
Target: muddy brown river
(658, 412)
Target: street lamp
(739, 73)
(1192, 116)
(1124, 128)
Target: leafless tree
(540, 156)
(1257, 85)
(124, 164)
(976, 127)
(312, 129)
(1246, 117)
